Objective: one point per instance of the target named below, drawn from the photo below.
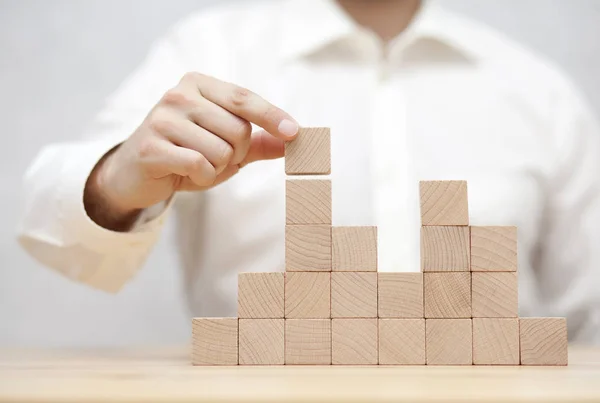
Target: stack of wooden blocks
(331, 306)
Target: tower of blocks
(332, 307)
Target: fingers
(188, 185)
(263, 146)
(163, 158)
(247, 105)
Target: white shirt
(448, 99)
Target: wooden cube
(444, 203)
(308, 341)
(214, 341)
(447, 295)
(307, 295)
(260, 295)
(495, 295)
(400, 295)
(309, 153)
(445, 248)
(449, 341)
(261, 341)
(308, 201)
(354, 341)
(494, 248)
(543, 341)
(496, 341)
(354, 248)
(353, 295)
(308, 248)
(402, 341)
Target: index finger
(249, 106)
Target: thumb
(263, 146)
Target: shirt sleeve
(568, 268)
(54, 227)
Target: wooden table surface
(165, 375)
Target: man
(410, 92)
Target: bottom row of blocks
(480, 341)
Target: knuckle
(239, 96)
(177, 98)
(226, 153)
(159, 123)
(271, 115)
(241, 131)
(147, 148)
(199, 167)
(192, 76)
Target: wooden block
(493, 248)
(308, 248)
(402, 341)
(444, 203)
(309, 153)
(449, 341)
(445, 249)
(354, 248)
(260, 295)
(447, 295)
(262, 341)
(307, 295)
(400, 295)
(307, 341)
(214, 341)
(354, 342)
(353, 295)
(496, 341)
(543, 341)
(308, 201)
(495, 295)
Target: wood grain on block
(354, 248)
(260, 295)
(307, 295)
(444, 203)
(445, 248)
(261, 341)
(447, 295)
(308, 248)
(353, 295)
(493, 248)
(400, 295)
(308, 341)
(449, 341)
(309, 153)
(402, 341)
(214, 341)
(495, 295)
(543, 341)
(354, 341)
(308, 201)
(496, 341)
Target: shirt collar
(312, 25)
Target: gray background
(60, 58)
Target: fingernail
(288, 128)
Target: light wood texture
(307, 295)
(444, 203)
(353, 295)
(309, 153)
(400, 295)
(261, 341)
(308, 248)
(495, 295)
(401, 341)
(447, 295)
(543, 341)
(214, 341)
(308, 201)
(496, 341)
(354, 248)
(354, 341)
(493, 248)
(449, 341)
(260, 295)
(445, 248)
(308, 341)
(164, 375)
